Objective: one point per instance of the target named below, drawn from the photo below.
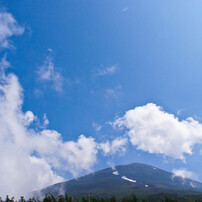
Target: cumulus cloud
(8, 28)
(107, 70)
(71, 156)
(153, 130)
(30, 159)
(48, 73)
(116, 145)
(183, 173)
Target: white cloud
(28, 157)
(48, 73)
(153, 130)
(8, 27)
(117, 145)
(183, 173)
(81, 154)
(28, 118)
(71, 156)
(106, 71)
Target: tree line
(66, 198)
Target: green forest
(66, 198)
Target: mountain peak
(122, 180)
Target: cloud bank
(28, 157)
(155, 131)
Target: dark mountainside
(143, 180)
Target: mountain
(140, 179)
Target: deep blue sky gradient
(156, 45)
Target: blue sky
(82, 65)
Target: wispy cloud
(113, 92)
(106, 70)
(97, 126)
(8, 27)
(48, 73)
(45, 121)
(4, 64)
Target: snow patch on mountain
(130, 180)
(115, 173)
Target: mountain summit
(137, 178)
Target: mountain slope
(137, 178)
